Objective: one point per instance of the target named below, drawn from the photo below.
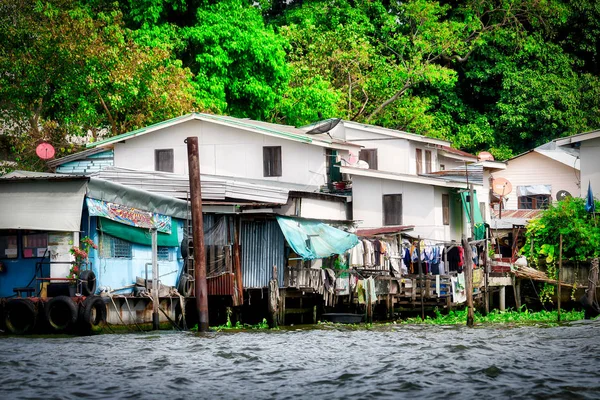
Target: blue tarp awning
(312, 239)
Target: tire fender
(92, 313)
(88, 282)
(61, 313)
(20, 316)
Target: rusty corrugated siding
(221, 285)
(262, 247)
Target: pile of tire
(60, 314)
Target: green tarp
(138, 235)
(313, 239)
(479, 224)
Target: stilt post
(201, 289)
(558, 277)
(469, 281)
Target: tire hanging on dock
(61, 313)
(92, 314)
(20, 316)
(88, 282)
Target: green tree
(67, 70)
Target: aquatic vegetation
(263, 325)
(523, 315)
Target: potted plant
(81, 254)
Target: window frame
(170, 167)
(538, 202)
(34, 249)
(3, 255)
(272, 161)
(389, 217)
(110, 252)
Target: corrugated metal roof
(266, 128)
(75, 156)
(262, 247)
(213, 187)
(384, 230)
(527, 214)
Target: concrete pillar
(502, 298)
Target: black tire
(20, 316)
(88, 282)
(186, 284)
(92, 314)
(186, 245)
(61, 313)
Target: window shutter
(428, 168)
(163, 160)
(369, 156)
(272, 161)
(446, 209)
(419, 157)
(392, 209)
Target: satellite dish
(324, 127)
(45, 151)
(562, 194)
(485, 156)
(501, 187)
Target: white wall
(589, 153)
(421, 207)
(224, 151)
(536, 169)
(392, 153)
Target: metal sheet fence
(262, 247)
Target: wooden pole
(558, 277)
(201, 290)
(155, 299)
(472, 210)
(420, 277)
(469, 281)
(486, 266)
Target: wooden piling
(201, 289)
(420, 277)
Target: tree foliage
(496, 75)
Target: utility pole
(200, 287)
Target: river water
(328, 362)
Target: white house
(588, 145)
(540, 176)
(395, 181)
(229, 147)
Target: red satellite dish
(485, 156)
(501, 187)
(45, 151)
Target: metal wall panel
(262, 246)
(221, 285)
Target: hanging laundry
(356, 256)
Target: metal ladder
(189, 235)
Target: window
(163, 160)
(272, 161)
(369, 156)
(446, 209)
(442, 167)
(112, 247)
(419, 157)
(8, 245)
(163, 253)
(534, 202)
(35, 244)
(392, 209)
(534, 197)
(428, 167)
